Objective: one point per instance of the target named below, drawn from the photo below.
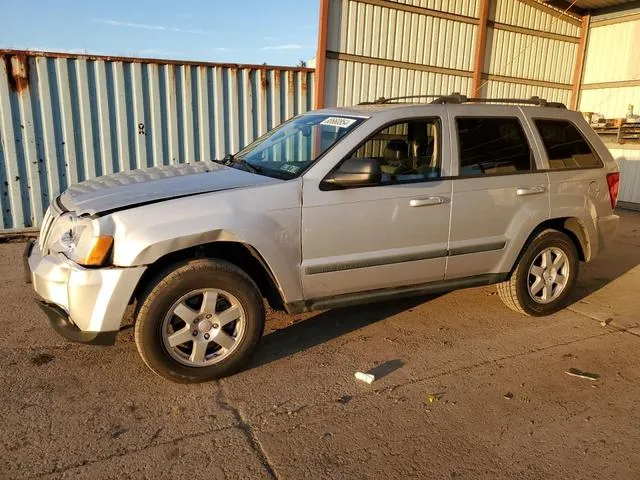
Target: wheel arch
(573, 227)
(242, 255)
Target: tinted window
(565, 145)
(406, 151)
(492, 146)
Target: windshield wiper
(226, 160)
(230, 161)
(241, 162)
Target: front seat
(396, 157)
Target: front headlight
(74, 237)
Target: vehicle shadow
(327, 325)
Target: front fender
(265, 218)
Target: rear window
(492, 146)
(565, 145)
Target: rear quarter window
(566, 146)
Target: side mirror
(355, 172)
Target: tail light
(613, 181)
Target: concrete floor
(74, 411)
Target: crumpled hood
(135, 187)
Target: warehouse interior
(583, 53)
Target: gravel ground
(465, 389)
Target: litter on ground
(365, 377)
(574, 372)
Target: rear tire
(201, 321)
(544, 277)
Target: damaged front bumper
(84, 305)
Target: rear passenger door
(500, 191)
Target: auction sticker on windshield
(340, 122)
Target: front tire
(544, 277)
(199, 322)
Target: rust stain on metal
(17, 72)
(303, 84)
(276, 79)
(160, 61)
(291, 81)
(263, 79)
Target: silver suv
(335, 207)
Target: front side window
(492, 146)
(286, 151)
(406, 151)
(565, 145)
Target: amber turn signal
(99, 252)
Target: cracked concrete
(442, 410)
(248, 430)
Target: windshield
(289, 149)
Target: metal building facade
(611, 80)
(372, 49)
(611, 86)
(375, 48)
(67, 118)
(531, 50)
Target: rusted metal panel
(67, 118)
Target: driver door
(387, 235)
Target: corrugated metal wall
(389, 48)
(531, 50)
(525, 14)
(67, 118)
(384, 48)
(629, 163)
(611, 80)
(611, 83)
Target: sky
(278, 32)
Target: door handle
(530, 191)
(425, 202)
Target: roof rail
(536, 101)
(457, 98)
(383, 100)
